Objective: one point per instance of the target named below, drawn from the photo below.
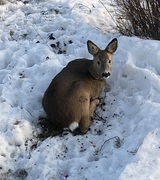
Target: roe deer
(72, 96)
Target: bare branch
(140, 18)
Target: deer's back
(75, 77)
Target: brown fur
(73, 94)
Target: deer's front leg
(93, 105)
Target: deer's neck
(93, 71)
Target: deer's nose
(106, 74)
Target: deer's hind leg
(86, 118)
(85, 115)
(85, 123)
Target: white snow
(124, 140)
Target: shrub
(138, 17)
(2, 2)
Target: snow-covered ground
(37, 39)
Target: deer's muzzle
(106, 74)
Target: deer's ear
(92, 48)
(112, 46)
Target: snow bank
(147, 162)
(37, 39)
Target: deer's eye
(98, 62)
(109, 61)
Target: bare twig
(108, 12)
(82, 7)
(45, 42)
(115, 137)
